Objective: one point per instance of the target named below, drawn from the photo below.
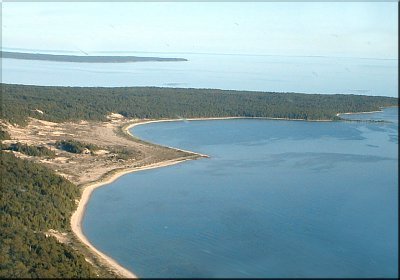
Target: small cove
(276, 199)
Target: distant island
(85, 59)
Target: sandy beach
(87, 190)
(356, 113)
(77, 216)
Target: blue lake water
(239, 72)
(275, 199)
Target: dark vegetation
(29, 150)
(34, 200)
(124, 153)
(76, 147)
(94, 103)
(4, 134)
(85, 58)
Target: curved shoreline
(127, 127)
(87, 190)
(77, 216)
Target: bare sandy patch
(61, 237)
(114, 116)
(101, 152)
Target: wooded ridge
(61, 104)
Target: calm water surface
(276, 199)
(238, 72)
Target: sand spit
(87, 190)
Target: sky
(352, 29)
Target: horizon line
(36, 51)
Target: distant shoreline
(87, 58)
(351, 113)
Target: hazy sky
(359, 29)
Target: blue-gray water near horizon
(303, 74)
(275, 199)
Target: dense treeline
(76, 147)
(94, 103)
(34, 200)
(38, 151)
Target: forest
(33, 201)
(29, 150)
(60, 104)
